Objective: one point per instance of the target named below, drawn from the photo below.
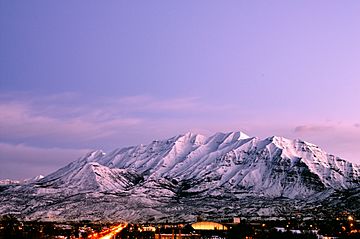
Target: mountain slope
(190, 174)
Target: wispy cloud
(339, 138)
(29, 161)
(23, 120)
(148, 103)
(66, 119)
(312, 128)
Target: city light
(112, 232)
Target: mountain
(18, 182)
(5, 184)
(224, 175)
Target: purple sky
(81, 75)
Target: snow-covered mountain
(225, 174)
(4, 182)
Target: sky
(82, 75)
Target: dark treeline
(12, 228)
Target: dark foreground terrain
(345, 226)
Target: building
(177, 236)
(208, 226)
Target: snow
(227, 159)
(19, 182)
(153, 175)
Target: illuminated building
(209, 226)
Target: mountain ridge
(166, 176)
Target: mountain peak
(239, 135)
(280, 141)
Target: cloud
(148, 103)
(339, 138)
(22, 120)
(312, 128)
(65, 119)
(176, 106)
(70, 120)
(357, 125)
(28, 161)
